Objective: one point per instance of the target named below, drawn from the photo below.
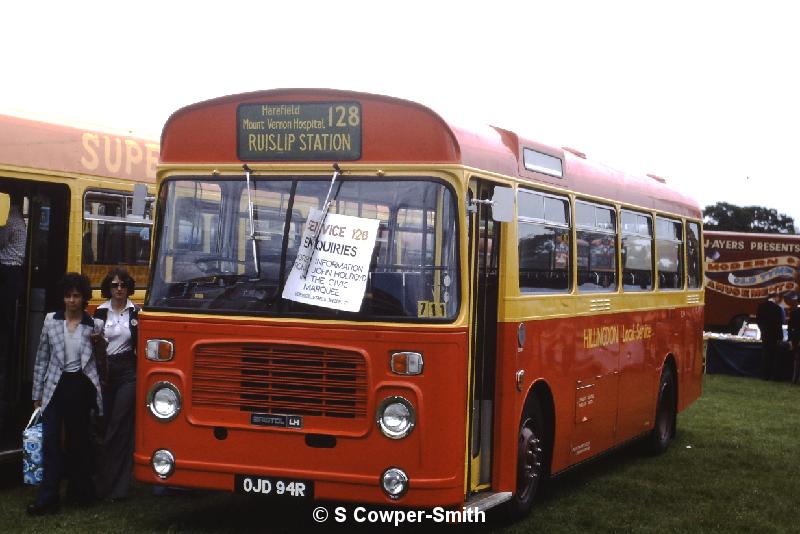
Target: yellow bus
(76, 190)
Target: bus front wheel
(664, 428)
(531, 459)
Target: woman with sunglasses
(119, 389)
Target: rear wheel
(664, 428)
(532, 459)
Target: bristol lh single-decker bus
(353, 299)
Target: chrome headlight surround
(407, 363)
(394, 482)
(159, 389)
(163, 463)
(395, 417)
(159, 350)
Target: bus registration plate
(274, 487)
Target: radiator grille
(280, 379)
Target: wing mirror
(503, 204)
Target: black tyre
(664, 429)
(533, 462)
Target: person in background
(794, 339)
(13, 236)
(770, 319)
(67, 388)
(120, 317)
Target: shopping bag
(32, 458)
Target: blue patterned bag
(32, 460)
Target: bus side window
(544, 243)
(597, 247)
(694, 266)
(669, 248)
(112, 235)
(637, 251)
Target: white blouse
(117, 330)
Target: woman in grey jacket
(66, 386)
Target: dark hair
(77, 282)
(122, 274)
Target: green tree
(756, 219)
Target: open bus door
(484, 261)
(46, 214)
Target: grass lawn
(734, 467)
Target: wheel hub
(530, 460)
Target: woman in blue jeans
(67, 388)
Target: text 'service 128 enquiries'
(337, 263)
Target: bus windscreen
(206, 248)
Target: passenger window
(669, 247)
(597, 247)
(637, 251)
(694, 266)
(113, 236)
(544, 243)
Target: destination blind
(329, 131)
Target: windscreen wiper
(256, 263)
(325, 206)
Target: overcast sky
(705, 94)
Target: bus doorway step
(485, 501)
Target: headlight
(164, 401)
(163, 463)
(394, 482)
(396, 417)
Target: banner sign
(760, 278)
(337, 265)
(751, 292)
(753, 278)
(728, 266)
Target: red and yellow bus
(353, 299)
(76, 189)
(742, 269)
